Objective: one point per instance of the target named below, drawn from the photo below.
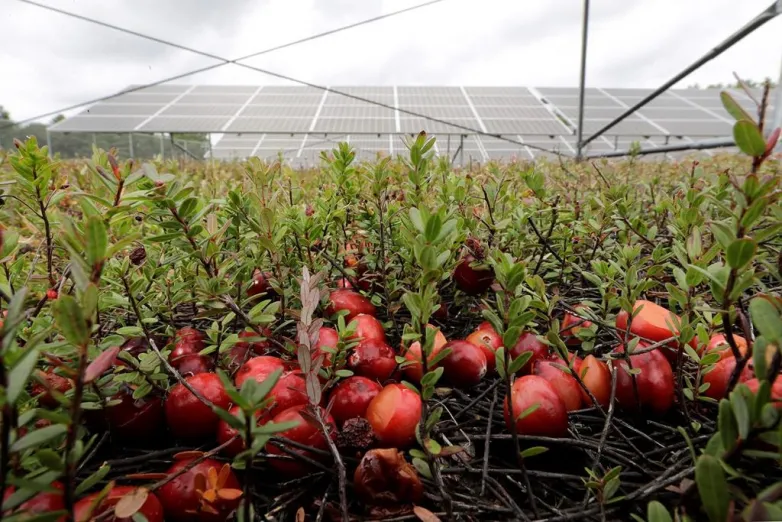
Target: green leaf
(89, 482)
(740, 252)
(70, 320)
(416, 220)
(748, 138)
(50, 459)
(712, 487)
(656, 512)
(17, 377)
(741, 414)
(519, 362)
(767, 318)
(733, 108)
(422, 467)
(97, 241)
(528, 411)
(38, 437)
(534, 450)
(727, 424)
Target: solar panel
(306, 119)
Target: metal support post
(94, 139)
(701, 145)
(49, 143)
(582, 81)
(130, 145)
(768, 14)
(209, 137)
(162, 147)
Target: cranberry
(529, 342)
(368, 328)
(470, 280)
(258, 368)
(135, 419)
(151, 508)
(414, 370)
(193, 364)
(465, 365)
(351, 301)
(207, 492)
(307, 432)
(564, 384)
(53, 382)
(548, 419)
(489, 342)
(373, 359)
(187, 416)
(351, 397)
(394, 414)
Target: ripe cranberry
(414, 370)
(655, 382)
(596, 377)
(719, 344)
(344, 283)
(368, 328)
(654, 323)
(351, 397)
(51, 294)
(188, 417)
(225, 433)
(465, 366)
(441, 314)
(373, 359)
(550, 417)
(182, 348)
(306, 432)
(327, 338)
(135, 346)
(290, 390)
(258, 368)
(485, 325)
(351, 301)
(151, 508)
(260, 283)
(184, 500)
(489, 342)
(472, 281)
(571, 325)
(718, 377)
(189, 334)
(776, 390)
(563, 383)
(259, 345)
(393, 414)
(53, 382)
(529, 342)
(135, 419)
(192, 364)
(42, 503)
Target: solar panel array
(301, 121)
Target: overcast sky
(48, 61)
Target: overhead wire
(281, 76)
(222, 63)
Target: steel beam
(582, 81)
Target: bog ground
(396, 339)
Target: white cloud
(50, 61)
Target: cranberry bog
(392, 340)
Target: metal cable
(195, 71)
(288, 78)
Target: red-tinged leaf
(192, 454)
(129, 504)
(450, 450)
(222, 478)
(300, 515)
(229, 493)
(146, 476)
(772, 141)
(209, 495)
(425, 515)
(101, 363)
(199, 482)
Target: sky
(49, 61)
